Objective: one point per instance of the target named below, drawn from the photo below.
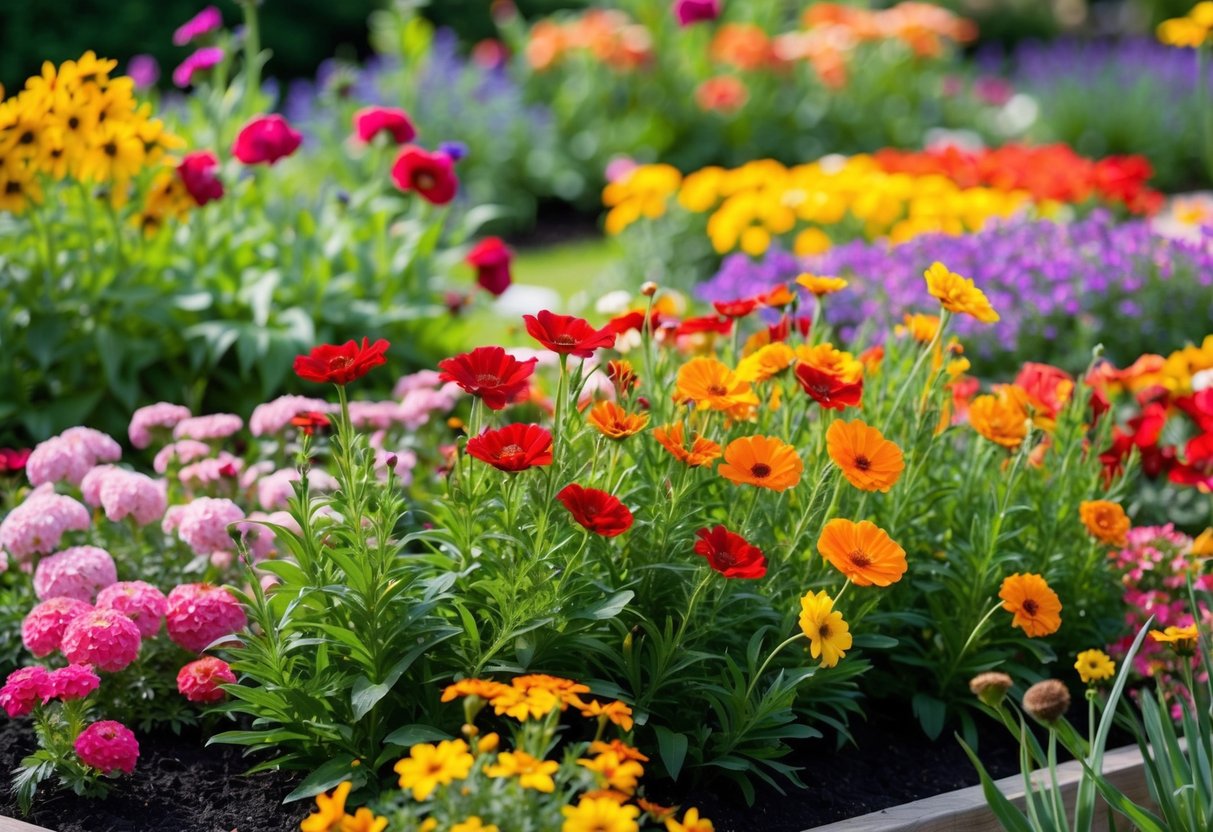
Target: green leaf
(335, 771)
(673, 749)
(410, 735)
(931, 713)
(606, 608)
(1011, 818)
(365, 694)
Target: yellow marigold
(1094, 666)
(645, 192)
(762, 461)
(1001, 417)
(829, 635)
(1035, 607)
(1105, 520)
(522, 705)
(712, 386)
(691, 822)
(831, 361)
(613, 422)
(1182, 639)
(614, 771)
(330, 809)
(484, 688)
(625, 751)
(600, 815)
(703, 451)
(474, 824)
(617, 712)
(922, 328)
(820, 285)
(765, 362)
(959, 294)
(532, 773)
(429, 766)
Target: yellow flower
(1182, 639)
(1094, 666)
(600, 815)
(1202, 14)
(1001, 417)
(829, 635)
(1183, 32)
(532, 773)
(922, 328)
(18, 186)
(330, 809)
(114, 154)
(811, 241)
(617, 712)
(713, 386)
(364, 820)
(959, 294)
(691, 822)
(429, 766)
(834, 362)
(1202, 546)
(765, 362)
(645, 192)
(701, 190)
(522, 705)
(616, 772)
(474, 824)
(821, 286)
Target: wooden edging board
(965, 810)
(14, 825)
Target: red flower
(12, 459)
(491, 260)
(730, 554)
(197, 172)
(566, 334)
(266, 139)
(708, 323)
(310, 421)
(371, 121)
(597, 511)
(829, 391)
(430, 174)
(342, 364)
(490, 373)
(514, 447)
(1048, 387)
(736, 308)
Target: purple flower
(455, 150)
(204, 58)
(207, 20)
(690, 12)
(144, 70)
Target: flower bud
(1047, 701)
(991, 688)
(648, 288)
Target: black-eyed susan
(828, 634)
(600, 814)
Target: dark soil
(178, 786)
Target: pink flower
(369, 122)
(203, 23)
(275, 416)
(203, 523)
(200, 614)
(491, 259)
(197, 172)
(146, 420)
(206, 472)
(141, 602)
(79, 572)
(43, 627)
(69, 456)
(180, 453)
(144, 70)
(419, 405)
(199, 680)
(108, 746)
(206, 428)
(24, 688)
(106, 639)
(266, 139)
(420, 380)
(374, 415)
(39, 523)
(689, 12)
(75, 681)
(123, 494)
(198, 61)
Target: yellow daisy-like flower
(522, 705)
(691, 822)
(922, 328)
(532, 773)
(959, 294)
(827, 359)
(429, 766)
(617, 712)
(364, 820)
(821, 285)
(1202, 546)
(1182, 639)
(765, 363)
(600, 815)
(712, 386)
(474, 824)
(330, 809)
(829, 635)
(616, 772)
(1094, 666)
(114, 154)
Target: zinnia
(1034, 605)
(566, 334)
(762, 461)
(341, 364)
(266, 139)
(713, 386)
(432, 175)
(1105, 520)
(515, 447)
(490, 373)
(596, 511)
(1094, 666)
(862, 551)
(369, 122)
(613, 422)
(868, 460)
(491, 259)
(959, 294)
(730, 554)
(829, 635)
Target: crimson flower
(730, 554)
(566, 334)
(721, 325)
(736, 308)
(310, 421)
(430, 174)
(491, 260)
(829, 391)
(514, 447)
(369, 122)
(197, 173)
(689, 12)
(343, 364)
(266, 139)
(491, 373)
(13, 459)
(596, 511)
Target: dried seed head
(1047, 701)
(991, 688)
(648, 288)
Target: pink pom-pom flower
(69, 456)
(203, 524)
(199, 680)
(75, 681)
(200, 614)
(108, 746)
(79, 572)
(139, 601)
(44, 625)
(39, 523)
(106, 639)
(146, 421)
(122, 493)
(24, 688)
(207, 428)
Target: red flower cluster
(1047, 172)
(596, 511)
(490, 373)
(730, 554)
(343, 364)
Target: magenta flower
(25, 688)
(690, 12)
(144, 70)
(205, 22)
(44, 625)
(198, 173)
(108, 746)
(75, 681)
(265, 140)
(199, 60)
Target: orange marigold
(713, 386)
(1001, 417)
(827, 359)
(1034, 605)
(484, 688)
(617, 712)
(820, 285)
(862, 551)
(762, 461)
(702, 452)
(868, 460)
(765, 362)
(613, 422)
(959, 294)
(1105, 520)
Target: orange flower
(922, 328)
(618, 774)
(565, 690)
(871, 358)
(613, 422)
(868, 460)
(483, 688)
(1035, 606)
(1001, 417)
(778, 297)
(655, 810)
(959, 294)
(862, 551)
(820, 285)
(522, 705)
(713, 386)
(833, 362)
(724, 94)
(765, 362)
(1105, 520)
(703, 451)
(617, 712)
(743, 45)
(625, 751)
(762, 461)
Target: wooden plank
(14, 825)
(965, 810)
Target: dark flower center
(1031, 607)
(110, 149)
(860, 558)
(717, 390)
(510, 451)
(73, 122)
(823, 631)
(761, 470)
(26, 138)
(862, 463)
(487, 380)
(424, 181)
(564, 340)
(11, 187)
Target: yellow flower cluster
(77, 122)
(760, 201)
(1192, 30)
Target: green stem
(766, 662)
(252, 55)
(913, 377)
